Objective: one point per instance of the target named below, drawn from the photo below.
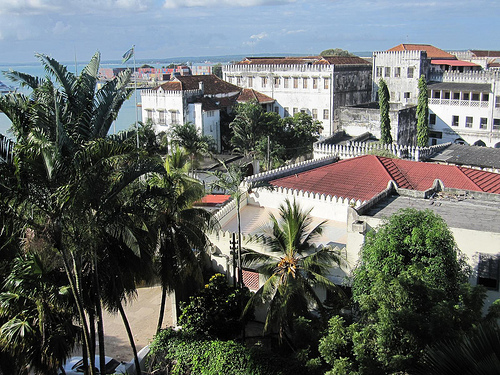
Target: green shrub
(179, 353)
(215, 311)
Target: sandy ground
(142, 314)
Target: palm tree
(190, 139)
(247, 127)
(293, 267)
(180, 228)
(62, 145)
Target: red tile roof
(248, 95)
(305, 60)
(364, 177)
(432, 52)
(213, 199)
(453, 63)
(212, 84)
(480, 53)
(342, 60)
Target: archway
(497, 145)
(480, 143)
(460, 141)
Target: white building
(354, 195)
(199, 99)
(464, 100)
(315, 85)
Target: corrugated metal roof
(459, 86)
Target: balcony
(459, 103)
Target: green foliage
(180, 353)
(422, 114)
(477, 352)
(336, 52)
(293, 267)
(289, 137)
(216, 310)
(412, 289)
(217, 70)
(385, 121)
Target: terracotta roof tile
(453, 63)
(248, 95)
(480, 53)
(432, 52)
(341, 60)
(365, 176)
(303, 60)
(212, 84)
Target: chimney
(201, 87)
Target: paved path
(142, 314)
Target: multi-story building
(464, 100)
(315, 85)
(199, 99)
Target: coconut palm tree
(62, 144)
(180, 228)
(247, 127)
(294, 267)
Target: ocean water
(126, 117)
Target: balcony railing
(460, 103)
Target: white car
(74, 366)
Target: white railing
(460, 103)
(355, 149)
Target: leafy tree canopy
(336, 52)
(412, 289)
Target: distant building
(464, 99)
(199, 99)
(315, 85)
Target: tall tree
(247, 127)
(422, 113)
(412, 289)
(190, 139)
(385, 121)
(336, 52)
(62, 145)
(294, 267)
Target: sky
(162, 29)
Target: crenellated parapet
(354, 149)
(268, 69)
(483, 76)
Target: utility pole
(234, 244)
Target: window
(315, 114)
(447, 95)
(434, 141)
(436, 94)
(210, 113)
(483, 123)
(468, 122)
(486, 97)
(326, 83)
(456, 95)
(432, 119)
(487, 271)
(379, 71)
(496, 124)
(238, 81)
(250, 81)
(161, 118)
(465, 96)
(438, 135)
(387, 71)
(497, 101)
(454, 120)
(410, 72)
(326, 114)
(315, 83)
(295, 82)
(277, 109)
(263, 81)
(397, 72)
(304, 83)
(173, 117)
(285, 82)
(149, 114)
(475, 97)
(286, 112)
(407, 95)
(277, 81)
(295, 110)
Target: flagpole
(135, 92)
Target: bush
(215, 311)
(179, 353)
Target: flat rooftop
(458, 212)
(255, 218)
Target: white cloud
(60, 28)
(222, 3)
(260, 36)
(31, 7)
(290, 32)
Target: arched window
(480, 143)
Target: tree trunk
(100, 323)
(240, 271)
(130, 337)
(162, 308)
